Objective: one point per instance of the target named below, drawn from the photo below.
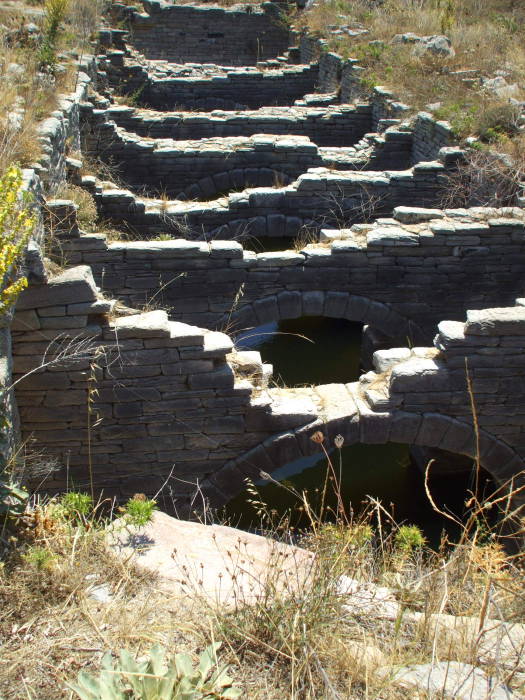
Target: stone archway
(221, 183)
(427, 429)
(331, 304)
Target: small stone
(438, 45)
(101, 593)
(414, 215)
(385, 359)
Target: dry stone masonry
(230, 127)
(390, 268)
(185, 33)
(330, 125)
(132, 396)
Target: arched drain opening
(308, 350)
(269, 244)
(383, 472)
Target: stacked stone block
(476, 366)
(143, 401)
(146, 403)
(430, 136)
(343, 77)
(321, 197)
(474, 261)
(421, 396)
(132, 399)
(250, 88)
(204, 165)
(333, 125)
(171, 167)
(184, 33)
(61, 132)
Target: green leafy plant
(13, 500)
(408, 538)
(155, 678)
(54, 14)
(75, 505)
(139, 510)
(498, 121)
(39, 557)
(508, 22)
(355, 535)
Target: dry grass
(49, 625)
(305, 642)
(486, 179)
(87, 215)
(299, 639)
(24, 87)
(306, 236)
(486, 36)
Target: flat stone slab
(176, 248)
(291, 411)
(224, 565)
(509, 320)
(392, 236)
(153, 324)
(414, 215)
(449, 679)
(385, 359)
(367, 599)
(498, 642)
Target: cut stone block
(153, 324)
(414, 215)
(75, 284)
(509, 320)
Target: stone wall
(330, 70)
(136, 399)
(144, 400)
(171, 406)
(182, 33)
(342, 76)
(317, 199)
(60, 133)
(309, 48)
(488, 349)
(172, 167)
(201, 168)
(402, 275)
(224, 89)
(430, 136)
(334, 125)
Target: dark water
(384, 472)
(309, 350)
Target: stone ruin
(270, 140)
